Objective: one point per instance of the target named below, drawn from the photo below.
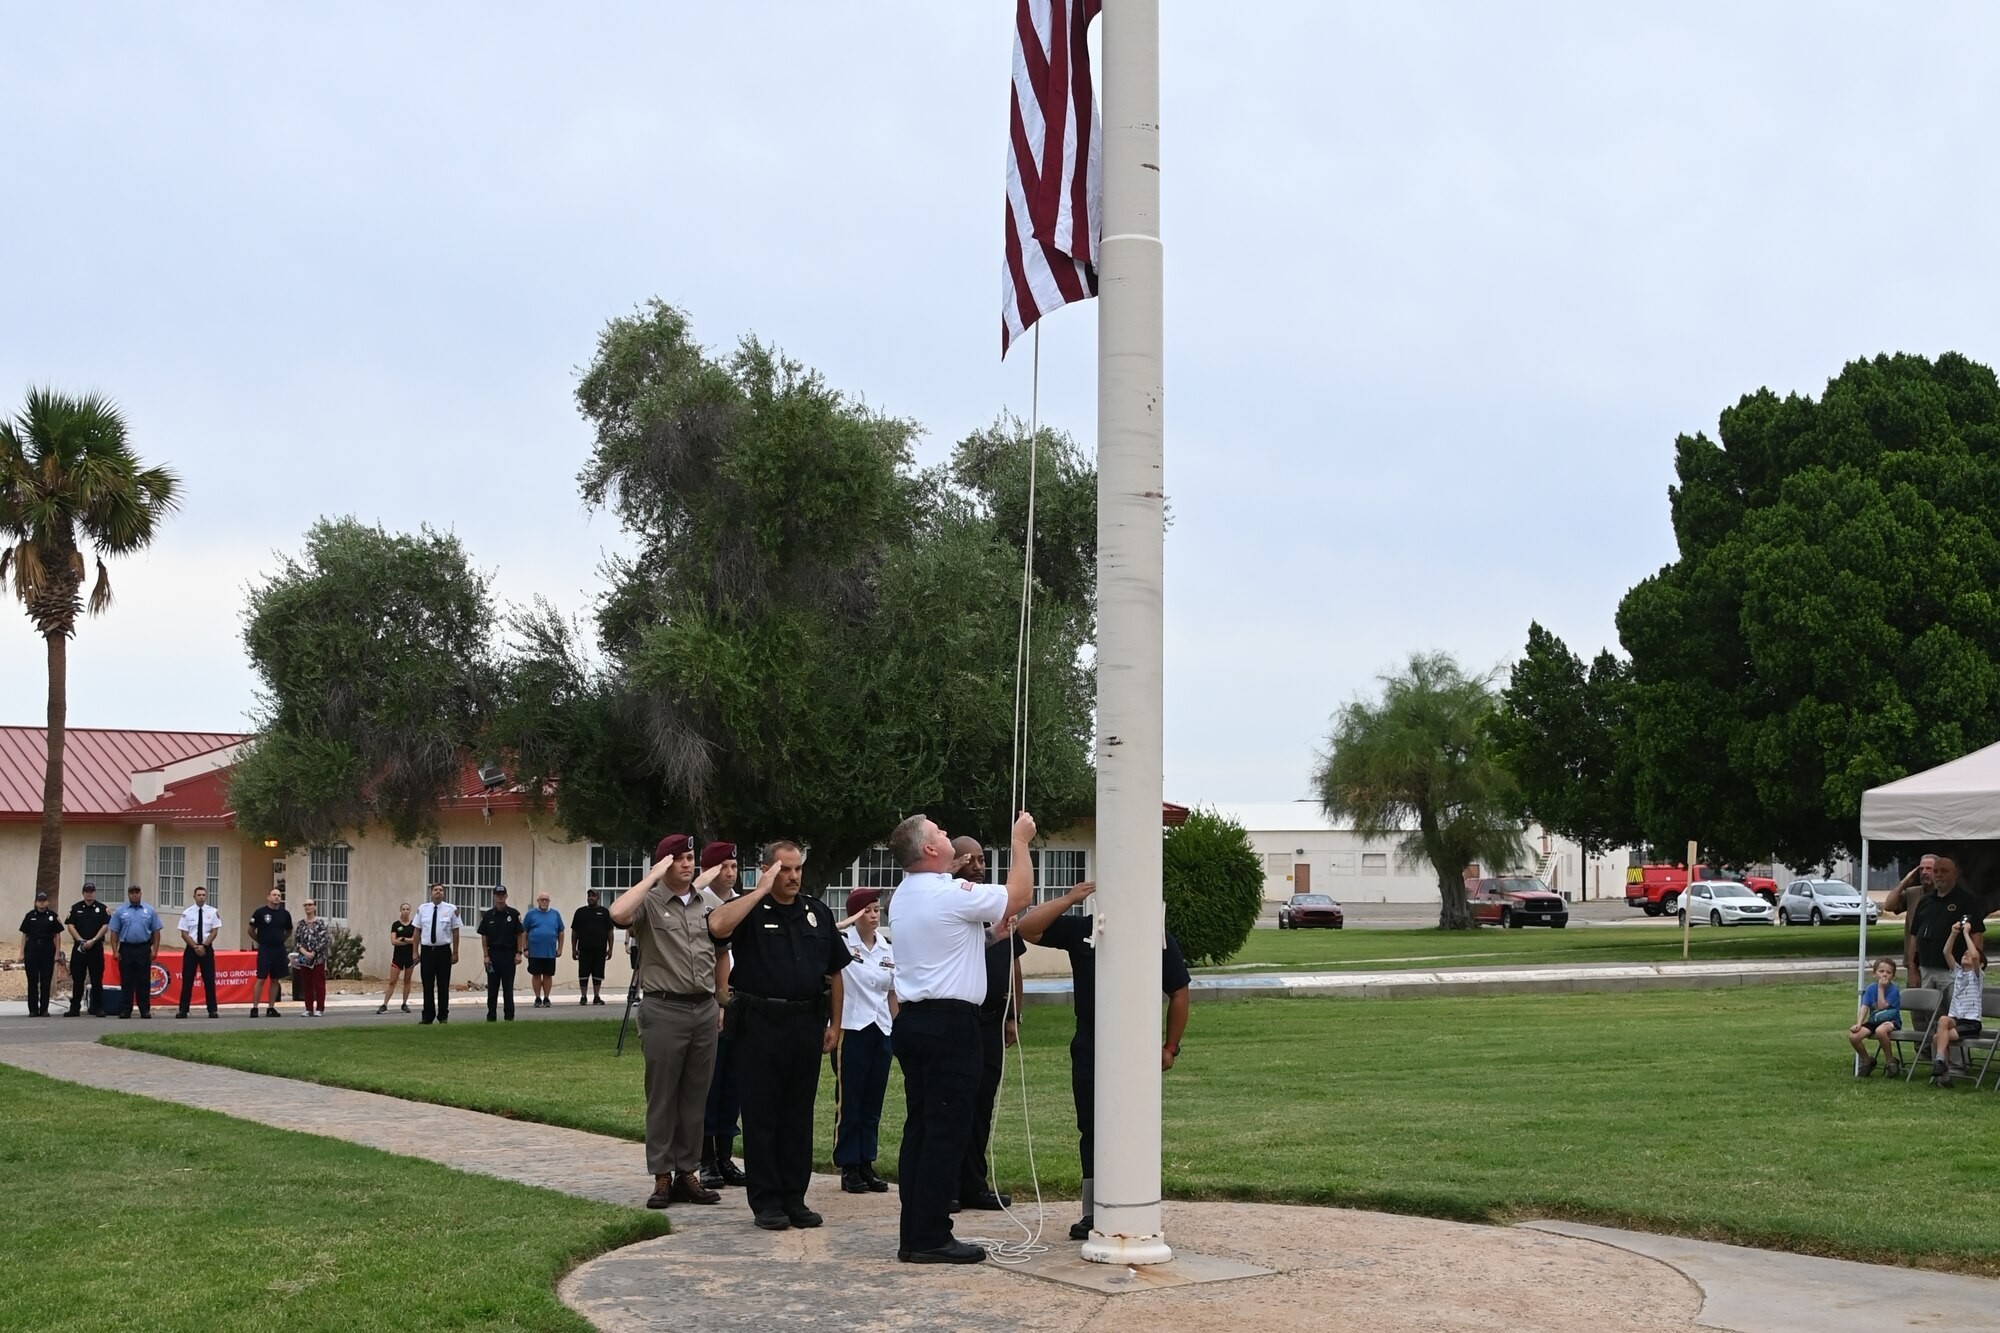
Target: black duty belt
(776, 1006)
(680, 997)
(942, 1006)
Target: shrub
(343, 954)
(1214, 886)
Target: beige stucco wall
(20, 844)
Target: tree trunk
(1454, 912)
(48, 864)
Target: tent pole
(1861, 961)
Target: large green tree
(1831, 621)
(1418, 766)
(71, 489)
(1561, 731)
(376, 654)
(811, 637)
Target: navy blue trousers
(862, 1065)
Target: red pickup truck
(1657, 888)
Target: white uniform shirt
(866, 983)
(431, 933)
(941, 936)
(200, 929)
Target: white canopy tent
(1958, 801)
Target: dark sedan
(1310, 909)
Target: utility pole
(1131, 534)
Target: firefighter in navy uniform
(40, 929)
(87, 921)
(783, 1017)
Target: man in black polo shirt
(86, 923)
(999, 1028)
(504, 940)
(783, 1017)
(590, 932)
(1048, 925)
(1936, 899)
(270, 927)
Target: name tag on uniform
(770, 925)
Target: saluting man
(784, 1015)
(199, 926)
(40, 929)
(87, 922)
(941, 936)
(999, 1028)
(718, 1148)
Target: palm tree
(69, 481)
(1420, 767)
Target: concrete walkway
(1330, 1267)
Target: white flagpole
(1130, 563)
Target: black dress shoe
(773, 1221)
(957, 1252)
(802, 1216)
(852, 1181)
(987, 1202)
(725, 1165)
(875, 1183)
(1080, 1230)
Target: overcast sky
(1443, 283)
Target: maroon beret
(861, 898)
(674, 844)
(716, 853)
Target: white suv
(1820, 901)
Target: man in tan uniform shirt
(684, 979)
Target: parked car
(1723, 902)
(1820, 901)
(1513, 901)
(1302, 910)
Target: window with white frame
(104, 866)
(211, 870)
(1057, 871)
(173, 872)
(616, 868)
(326, 881)
(877, 869)
(468, 871)
(1374, 863)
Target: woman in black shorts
(403, 962)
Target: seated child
(1880, 1014)
(1962, 1014)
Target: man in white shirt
(200, 925)
(437, 950)
(940, 923)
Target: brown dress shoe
(663, 1191)
(687, 1188)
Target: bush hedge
(343, 953)
(1214, 886)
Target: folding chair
(1989, 1037)
(1919, 1007)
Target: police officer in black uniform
(87, 921)
(783, 1017)
(40, 929)
(506, 940)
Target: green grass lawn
(124, 1212)
(1365, 950)
(1723, 1114)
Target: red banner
(235, 973)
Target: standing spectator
(1051, 925)
(861, 1060)
(199, 925)
(136, 927)
(590, 932)
(718, 1145)
(87, 923)
(40, 929)
(684, 977)
(999, 1028)
(1960, 1021)
(501, 939)
(270, 928)
(402, 958)
(313, 943)
(1935, 901)
(437, 951)
(784, 1014)
(545, 940)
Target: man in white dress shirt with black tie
(200, 925)
(437, 950)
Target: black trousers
(135, 978)
(86, 965)
(434, 966)
(993, 1052)
(203, 962)
(499, 983)
(40, 960)
(938, 1046)
(776, 1053)
(1083, 1088)
(719, 1119)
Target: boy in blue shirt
(1880, 1014)
(545, 937)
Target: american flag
(1055, 166)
